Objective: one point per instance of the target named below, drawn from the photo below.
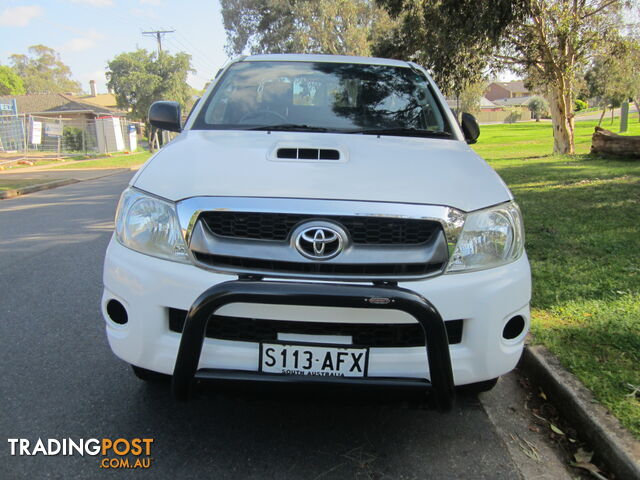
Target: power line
(196, 48)
(158, 34)
(197, 61)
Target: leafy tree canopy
(10, 82)
(454, 39)
(42, 71)
(140, 78)
(615, 78)
(553, 46)
(549, 42)
(340, 27)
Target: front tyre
(479, 387)
(149, 375)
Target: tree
(453, 39)
(10, 82)
(553, 44)
(548, 41)
(615, 78)
(140, 78)
(42, 71)
(341, 27)
(470, 96)
(538, 107)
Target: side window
(215, 112)
(193, 107)
(433, 120)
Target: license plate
(287, 359)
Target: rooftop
(513, 86)
(56, 102)
(304, 57)
(515, 101)
(101, 99)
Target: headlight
(489, 238)
(150, 225)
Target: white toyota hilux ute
(319, 219)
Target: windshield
(331, 97)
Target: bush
(72, 139)
(580, 105)
(539, 107)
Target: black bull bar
(383, 296)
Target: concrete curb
(613, 444)
(36, 188)
(61, 183)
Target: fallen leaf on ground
(556, 429)
(582, 456)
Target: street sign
(36, 133)
(53, 129)
(9, 107)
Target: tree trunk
(604, 110)
(562, 121)
(609, 143)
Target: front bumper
(147, 286)
(318, 295)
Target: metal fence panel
(33, 137)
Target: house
(484, 104)
(501, 90)
(63, 122)
(493, 112)
(56, 105)
(514, 101)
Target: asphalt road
(59, 379)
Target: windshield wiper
(404, 131)
(290, 127)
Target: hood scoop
(307, 154)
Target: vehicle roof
(305, 57)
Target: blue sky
(89, 33)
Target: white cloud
(95, 3)
(84, 42)
(19, 16)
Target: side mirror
(470, 128)
(165, 115)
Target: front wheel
(479, 387)
(149, 375)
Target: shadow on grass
(582, 233)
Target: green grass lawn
(14, 184)
(582, 218)
(116, 161)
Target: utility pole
(158, 34)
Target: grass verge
(119, 161)
(583, 240)
(14, 184)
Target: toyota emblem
(319, 242)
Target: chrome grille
(362, 230)
(373, 270)
(258, 236)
